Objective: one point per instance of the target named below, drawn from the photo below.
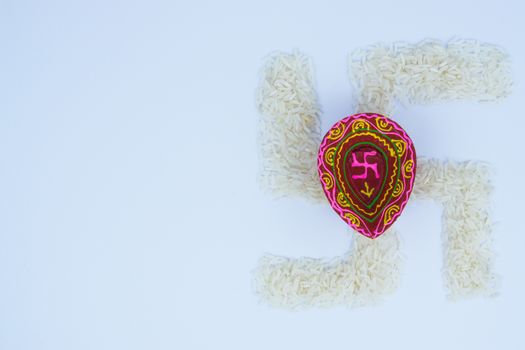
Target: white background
(130, 216)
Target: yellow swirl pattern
(390, 213)
(328, 181)
(329, 156)
(341, 199)
(336, 133)
(360, 124)
(401, 146)
(398, 189)
(383, 124)
(354, 220)
(408, 168)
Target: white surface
(129, 212)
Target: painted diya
(367, 166)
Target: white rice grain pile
(289, 127)
(363, 277)
(463, 189)
(428, 72)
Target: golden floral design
(401, 146)
(389, 213)
(383, 124)
(354, 220)
(328, 181)
(329, 156)
(360, 124)
(336, 133)
(398, 189)
(341, 199)
(408, 168)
